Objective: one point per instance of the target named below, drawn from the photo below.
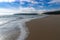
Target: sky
(41, 4)
(10, 4)
(30, 5)
(7, 0)
(36, 4)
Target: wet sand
(45, 29)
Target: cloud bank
(7, 0)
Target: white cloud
(34, 2)
(26, 0)
(54, 1)
(21, 1)
(57, 0)
(27, 10)
(21, 10)
(31, 10)
(11, 0)
(7, 0)
(8, 11)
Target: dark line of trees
(52, 13)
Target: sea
(13, 27)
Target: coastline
(45, 29)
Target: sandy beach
(45, 28)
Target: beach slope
(45, 28)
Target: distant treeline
(52, 13)
(26, 14)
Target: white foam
(10, 28)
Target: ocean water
(13, 27)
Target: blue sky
(36, 4)
(10, 5)
(41, 4)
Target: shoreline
(44, 29)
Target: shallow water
(13, 27)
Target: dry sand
(45, 29)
